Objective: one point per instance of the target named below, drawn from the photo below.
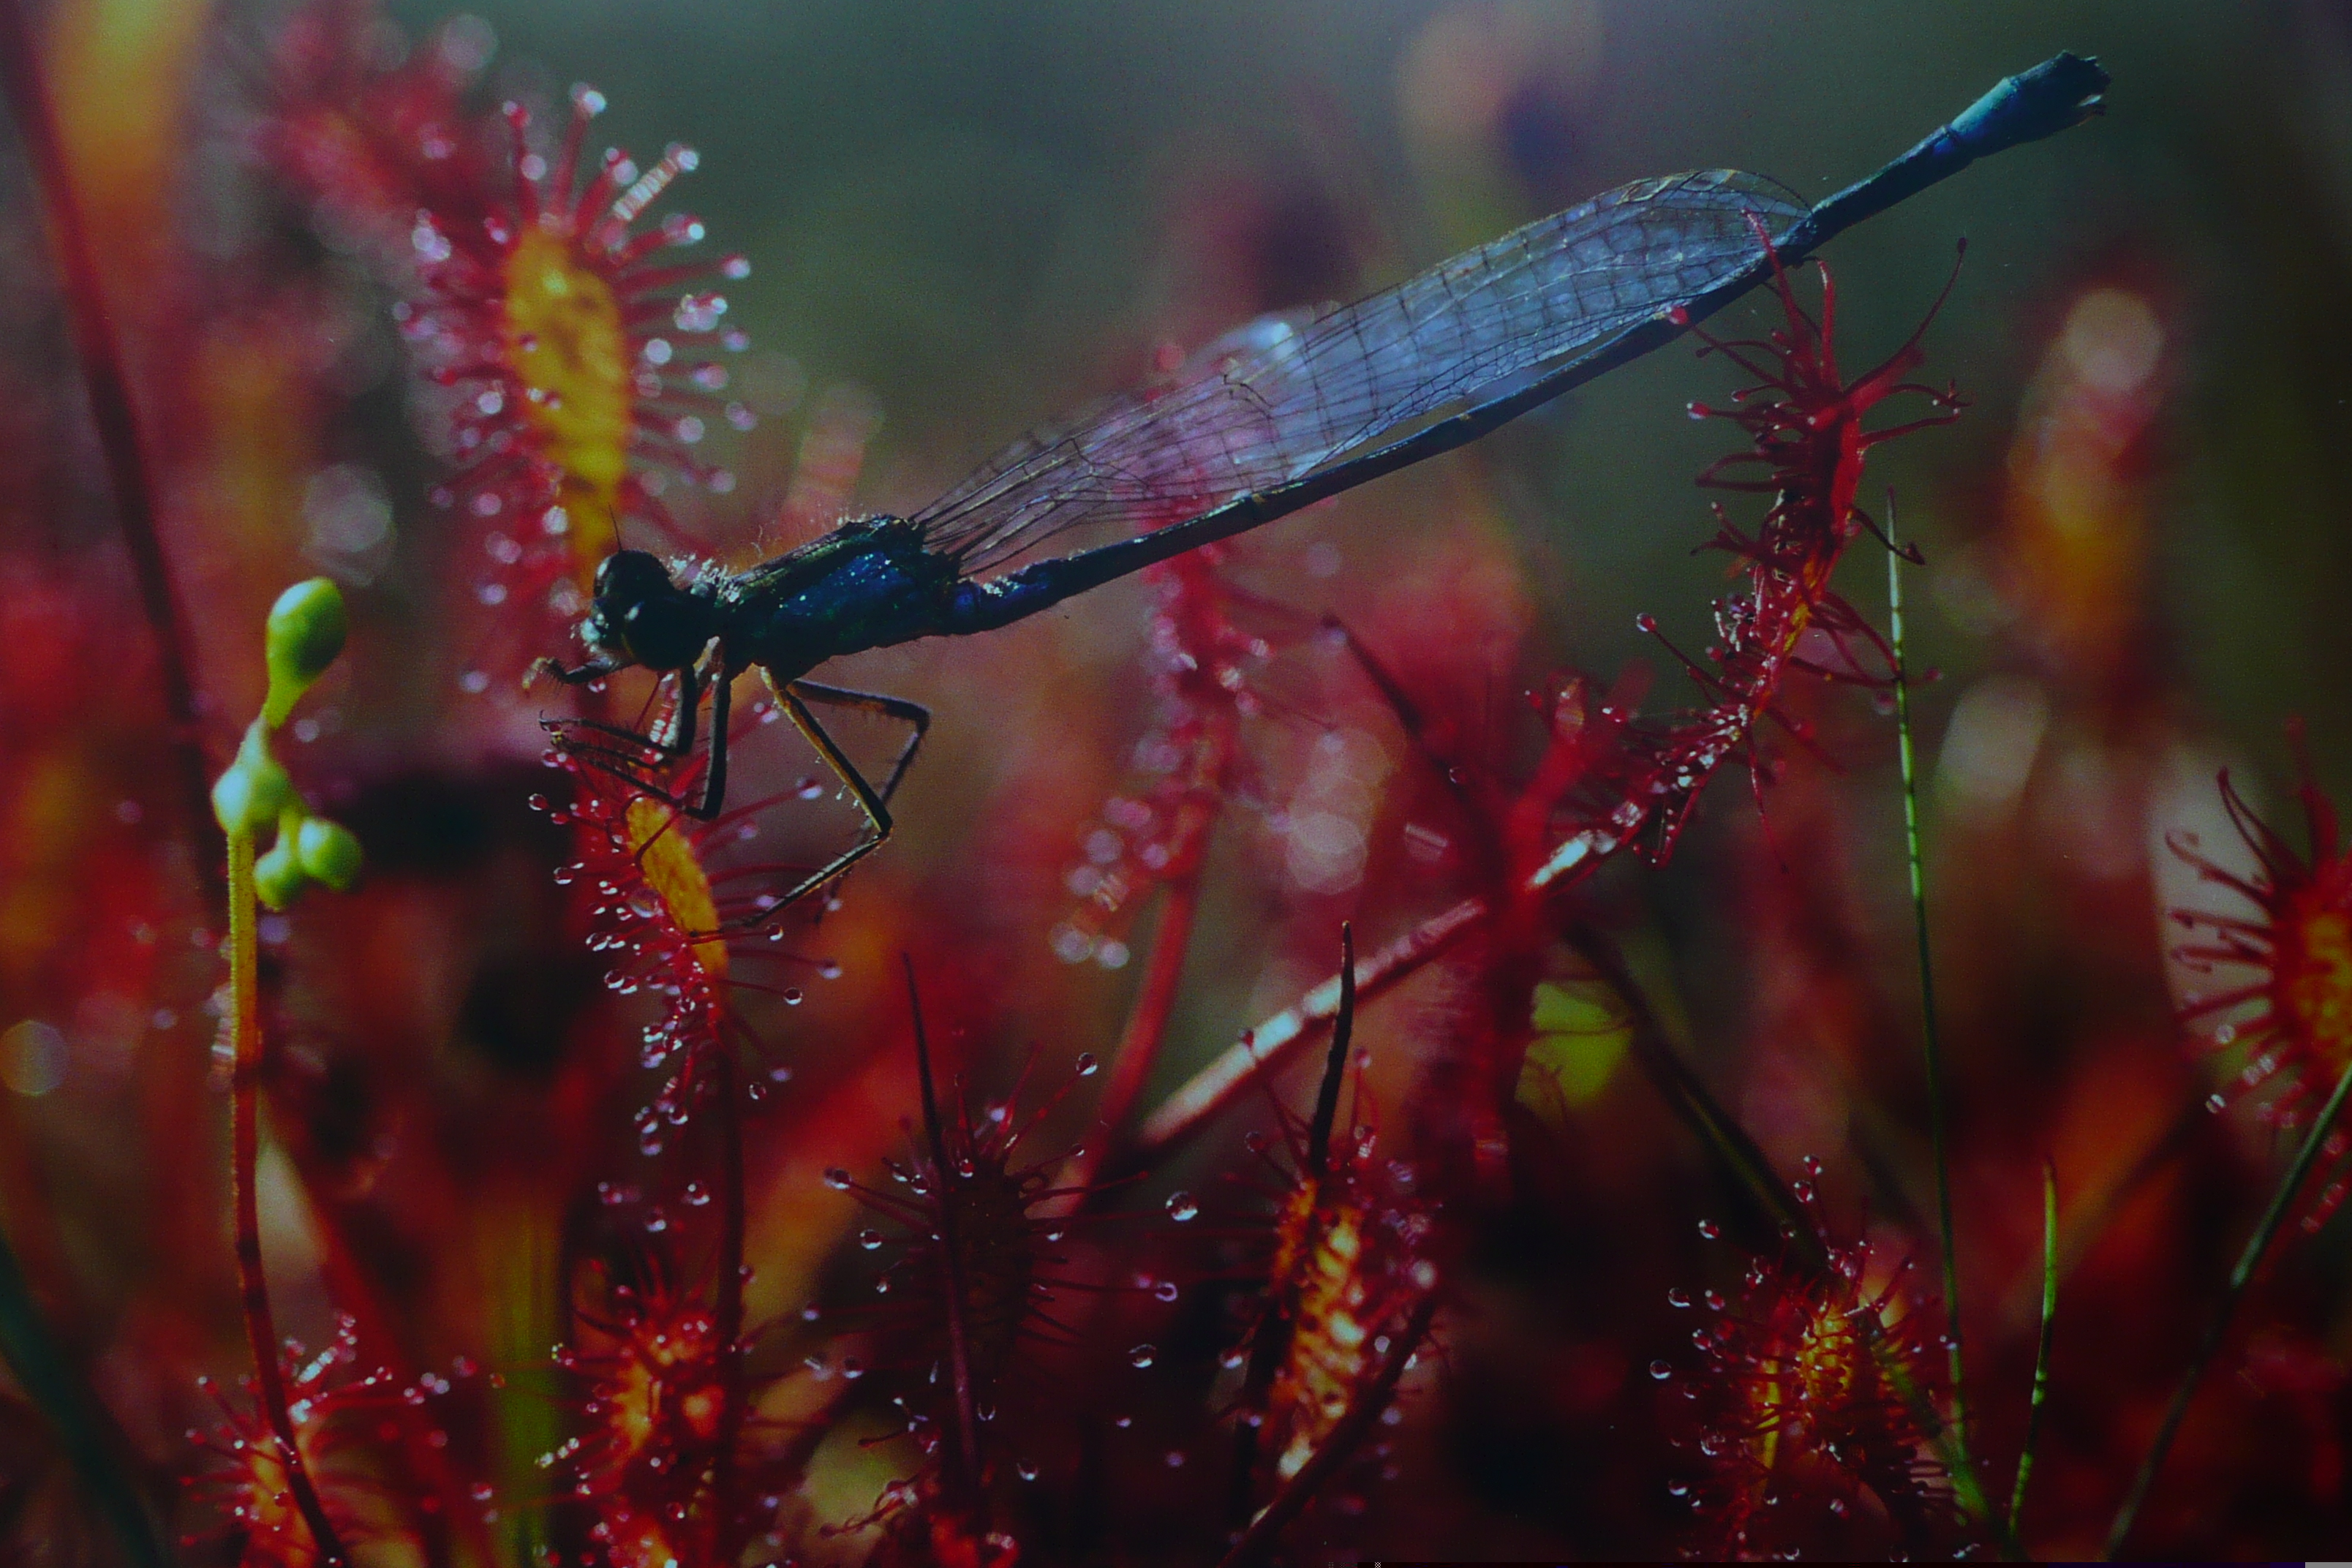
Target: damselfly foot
(649, 766)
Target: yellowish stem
(245, 1148)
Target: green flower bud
(279, 876)
(307, 626)
(250, 795)
(328, 852)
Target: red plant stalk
(1164, 832)
(1505, 838)
(244, 1144)
(1283, 1035)
(964, 1475)
(113, 413)
(1147, 1028)
(728, 1307)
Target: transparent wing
(1290, 395)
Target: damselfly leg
(675, 741)
(672, 743)
(914, 715)
(582, 675)
(795, 697)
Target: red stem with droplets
(728, 1307)
(965, 1475)
(1146, 1031)
(1274, 1042)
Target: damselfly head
(642, 615)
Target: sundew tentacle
(365, 1439)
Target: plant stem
(2216, 1332)
(244, 1145)
(726, 1310)
(113, 411)
(965, 1477)
(2042, 1350)
(2086, 1224)
(1147, 1029)
(50, 1381)
(1930, 1036)
(1286, 1033)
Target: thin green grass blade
(51, 1382)
(1931, 1036)
(2240, 1278)
(2042, 1350)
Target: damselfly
(1270, 418)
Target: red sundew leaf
(985, 1281)
(573, 368)
(1347, 1266)
(370, 142)
(1795, 1434)
(665, 1455)
(2290, 962)
(350, 1432)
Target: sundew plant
(1756, 963)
